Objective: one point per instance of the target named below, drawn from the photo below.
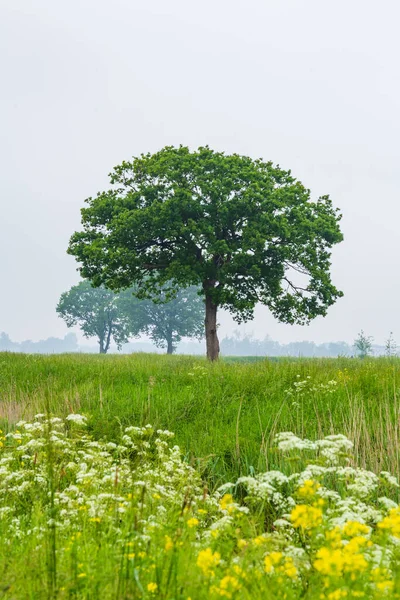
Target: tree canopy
(243, 230)
(98, 313)
(165, 321)
(107, 315)
(363, 344)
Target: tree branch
(296, 288)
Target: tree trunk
(107, 346)
(170, 346)
(103, 350)
(210, 322)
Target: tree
(243, 230)
(98, 313)
(166, 322)
(6, 344)
(363, 344)
(390, 346)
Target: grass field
(181, 536)
(224, 415)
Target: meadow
(98, 500)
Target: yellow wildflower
(356, 543)
(334, 537)
(306, 517)
(193, 522)
(271, 560)
(169, 544)
(288, 568)
(276, 562)
(329, 562)
(391, 523)
(151, 587)
(348, 559)
(379, 574)
(239, 571)
(337, 595)
(227, 503)
(207, 559)
(230, 582)
(227, 587)
(259, 540)
(385, 586)
(381, 577)
(354, 528)
(319, 502)
(308, 489)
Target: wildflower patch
(135, 520)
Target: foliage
(98, 313)
(132, 519)
(167, 321)
(363, 344)
(244, 231)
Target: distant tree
(301, 349)
(98, 313)
(243, 230)
(247, 345)
(6, 344)
(391, 346)
(48, 346)
(167, 322)
(51, 345)
(241, 345)
(363, 344)
(339, 349)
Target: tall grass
(224, 415)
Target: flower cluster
(134, 516)
(304, 387)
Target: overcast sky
(309, 84)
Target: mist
(311, 86)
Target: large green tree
(243, 230)
(165, 321)
(98, 312)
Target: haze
(311, 85)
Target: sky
(313, 86)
